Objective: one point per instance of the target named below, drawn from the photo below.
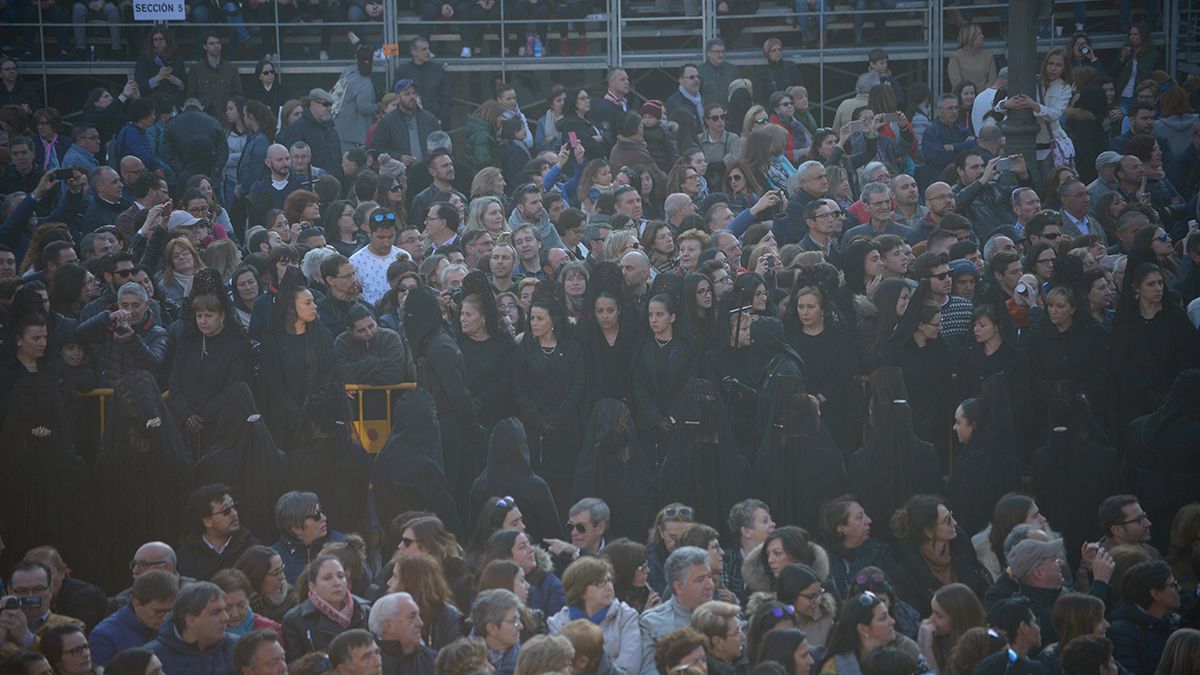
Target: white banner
(158, 10)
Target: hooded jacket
(188, 659)
(508, 474)
(759, 580)
(405, 476)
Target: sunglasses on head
(781, 612)
(678, 512)
(760, 120)
(380, 217)
(868, 599)
(505, 503)
(875, 577)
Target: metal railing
(373, 443)
(916, 31)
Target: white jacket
(622, 637)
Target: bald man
(939, 198)
(270, 191)
(153, 555)
(131, 169)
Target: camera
(17, 603)
(1085, 50)
(1022, 289)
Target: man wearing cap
(1035, 571)
(1106, 181)
(964, 279)
(359, 103)
(985, 101)
(195, 140)
(315, 127)
(402, 133)
(687, 97)
(429, 77)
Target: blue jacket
(545, 589)
(296, 555)
(181, 658)
(250, 166)
(938, 135)
(121, 630)
(77, 156)
(1138, 639)
(132, 140)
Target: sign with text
(159, 10)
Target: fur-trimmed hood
(758, 580)
(545, 563)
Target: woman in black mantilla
(508, 473)
(246, 459)
(990, 463)
(663, 363)
(798, 466)
(548, 385)
(893, 463)
(405, 477)
(702, 462)
(298, 358)
(608, 334)
(329, 460)
(143, 469)
(210, 356)
(487, 350)
(613, 467)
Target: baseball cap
(1107, 157)
(403, 84)
(180, 218)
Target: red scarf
(617, 101)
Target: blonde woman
(180, 264)
(756, 118)
(487, 213)
(971, 62)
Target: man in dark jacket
(345, 293)
(194, 640)
(402, 133)
(272, 190)
(369, 354)
(315, 127)
(217, 538)
(396, 622)
(137, 623)
(212, 79)
(944, 138)
(430, 78)
(22, 174)
(108, 204)
(126, 337)
(1146, 616)
(194, 143)
(983, 192)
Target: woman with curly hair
(302, 208)
(421, 576)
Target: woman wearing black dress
(608, 335)
(487, 351)
(1062, 347)
(831, 360)
(663, 363)
(927, 365)
(298, 358)
(548, 386)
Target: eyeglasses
(1051, 235)
(268, 72)
(318, 516)
(941, 276)
(644, 567)
(395, 187)
(576, 527)
(703, 291)
(146, 564)
(226, 511)
(1164, 237)
(1048, 261)
(78, 651)
(601, 583)
(678, 512)
(405, 542)
(812, 597)
(323, 102)
(736, 176)
(36, 590)
(760, 120)
(718, 118)
(505, 502)
(124, 273)
(1141, 517)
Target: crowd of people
(667, 323)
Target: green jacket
(483, 142)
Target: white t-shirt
(372, 271)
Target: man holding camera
(126, 337)
(25, 615)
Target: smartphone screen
(857, 126)
(573, 138)
(891, 118)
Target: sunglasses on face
(718, 118)
(1052, 235)
(942, 276)
(268, 72)
(1164, 238)
(316, 517)
(678, 512)
(578, 528)
(227, 510)
(760, 120)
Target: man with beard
(217, 538)
(345, 291)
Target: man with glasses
(345, 293)
(85, 146)
(212, 79)
(1146, 616)
(1044, 227)
(716, 73)
(215, 537)
(687, 96)
(877, 198)
(956, 311)
(315, 127)
(823, 218)
(136, 624)
(21, 629)
(303, 531)
(1035, 572)
(1125, 522)
(719, 145)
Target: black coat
(772, 77)
(508, 474)
(928, 374)
(489, 367)
(915, 584)
(831, 361)
(441, 372)
(548, 389)
(199, 561)
(202, 369)
(1079, 354)
(396, 662)
(990, 465)
(624, 480)
(404, 475)
(306, 629)
(659, 374)
(294, 366)
(143, 468)
(329, 460)
(147, 67)
(391, 133)
(1147, 356)
(1071, 475)
(195, 144)
(585, 131)
(247, 460)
